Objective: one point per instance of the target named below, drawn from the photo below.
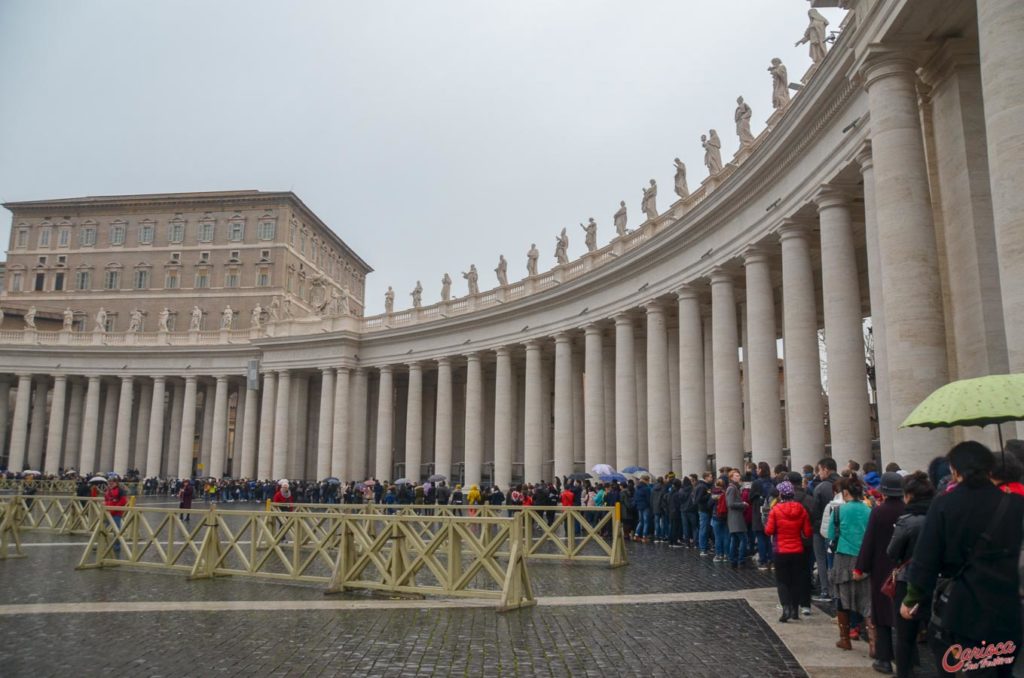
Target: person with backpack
(761, 490)
(846, 534)
(659, 496)
(719, 520)
(701, 499)
(689, 512)
(790, 524)
(675, 514)
(736, 520)
(642, 502)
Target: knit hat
(283, 482)
(785, 489)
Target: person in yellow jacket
(473, 498)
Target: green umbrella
(995, 399)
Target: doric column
(693, 435)
(533, 445)
(800, 349)
(443, 425)
(37, 429)
(55, 431)
(414, 424)
(325, 425)
(503, 407)
(593, 397)
(73, 435)
(762, 368)
(725, 357)
(340, 432)
(357, 424)
(1000, 26)
(206, 435)
(474, 419)
(142, 417)
(235, 450)
(155, 439)
(174, 428)
(107, 434)
(87, 462)
(186, 449)
(709, 381)
(219, 438)
(298, 431)
(885, 424)
(563, 405)
(5, 402)
(915, 322)
(281, 425)
(848, 407)
(608, 375)
(625, 393)
(250, 428)
(385, 425)
(578, 419)
(659, 418)
(268, 405)
(122, 442)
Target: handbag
(833, 544)
(889, 586)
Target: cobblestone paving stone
(691, 639)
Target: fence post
(346, 557)
(209, 552)
(9, 531)
(99, 543)
(618, 558)
(517, 591)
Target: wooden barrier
(10, 524)
(51, 487)
(61, 514)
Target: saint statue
(742, 117)
(531, 259)
(389, 301)
(341, 301)
(590, 228)
(256, 319)
(135, 321)
(69, 319)
(815, 35)
(101, 320)
(286, 308)
(417, 295)
(502, 271)
(780, 84)
(1, 317)
(712, 152)
(446, 287)
(227, 316)
(620, 219)
(197, 319)
(162, 319)
(472, 277)
(682, 190)
(30, 318)
(274, 312)
(649, 203)
(562, 248)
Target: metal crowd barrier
(344, 550)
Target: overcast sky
(429, 134)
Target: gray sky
(430, 135)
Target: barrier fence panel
(10, 524)
(51, 487)
(61, 514)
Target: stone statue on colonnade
(712, 152)
(742, 116)
(417, 295)
(162, 320)
(30, 318)
(101, 320)
(649, 205)
(620, 219)
(256, 319)
(227, 316)
(275, 310)
(197, 319)
(562, 248)
(682, 190)
(815, 35)
(389, 301)
(472, 279)
(502, 271)
(135, 321)
(446, 287)
(69, 319)
(531, 259)
(1, 316)
(340, 299)
(780, 84)
(590, 228)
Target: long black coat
(873, 558)
(984, 603)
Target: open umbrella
(332, 481)
(634, 470)
(403, 481)
(114, 476)
(612, 477)
(580, 475)
(437, 477)
(602, 470)
(360, 486)
(97, 479)
(995, 399)
(31, 473)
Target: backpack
(721, 508)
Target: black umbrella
(580, 476)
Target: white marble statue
(256, 319)
(69, 319)
(197, 319)
(274, 312)
(340, 297)
(649, 204)
(531, 259)
(101, 320)
(417, 295)
(446, 287)
(780, 84)
(590, 229)
(502, 271)
(472, 279)
(286, 308)
(742, 117)
(389, 301)
(682, 190)
(163, 319)
(135, 321)
(30, 318)
(620, 219)
(562, 248)
(815, 35)
(712, 152)
(1, 317)
(227, 316)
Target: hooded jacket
(789, 523)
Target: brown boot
(872, 636)
(843, 619)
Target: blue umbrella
(611, 477)
(635, 469)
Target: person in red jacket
(790, 524)
(284, 495)
(115, 496)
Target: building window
(63, 237)
(264, 255)
(206, 231)
(204, 257)
(82, 280)
(231, 279)
(171, 280)
(111, 322)
(112, 280)
(40, 282)
(234, 256)
(202, 280)
(16, 282)
(87, 237)
(62, 259)
(237, 231)
(117, 235)
(22, 239)
(263, 278)
(42, 261)
(44, 237)
(146, 234)
(176, 257)
(265, 230)
(141, 281)
(302, 244)
(176, 231)
(58, 282)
